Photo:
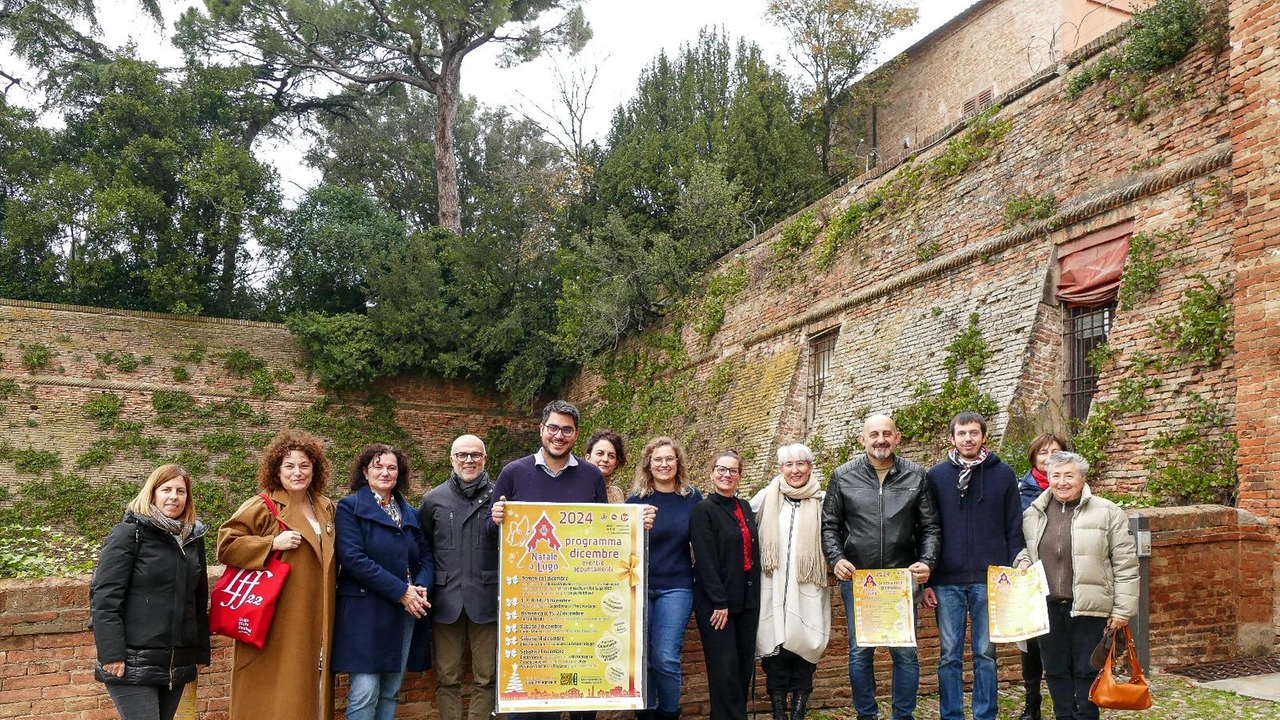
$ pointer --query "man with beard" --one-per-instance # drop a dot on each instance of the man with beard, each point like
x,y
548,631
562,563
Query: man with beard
x,y
879,513
981,512
464,598
552,474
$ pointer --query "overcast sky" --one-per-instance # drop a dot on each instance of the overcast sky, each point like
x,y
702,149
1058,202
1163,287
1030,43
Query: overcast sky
x,y
627,37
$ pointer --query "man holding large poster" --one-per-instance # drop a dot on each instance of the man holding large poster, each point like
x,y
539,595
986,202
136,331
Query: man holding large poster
x,y
551,475
879,514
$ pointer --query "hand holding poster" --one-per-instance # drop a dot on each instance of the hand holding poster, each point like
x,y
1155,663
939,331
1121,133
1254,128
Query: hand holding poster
x,y
571,603
1016,604
884,608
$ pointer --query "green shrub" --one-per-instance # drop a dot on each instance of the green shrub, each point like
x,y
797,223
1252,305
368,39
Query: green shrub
x,y
41,551
35,357
240,363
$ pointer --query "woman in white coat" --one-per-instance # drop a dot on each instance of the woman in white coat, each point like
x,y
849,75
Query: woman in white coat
x,y
795,603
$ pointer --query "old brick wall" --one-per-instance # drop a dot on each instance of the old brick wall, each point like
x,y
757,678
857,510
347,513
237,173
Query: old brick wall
x,y
1201,593
47,412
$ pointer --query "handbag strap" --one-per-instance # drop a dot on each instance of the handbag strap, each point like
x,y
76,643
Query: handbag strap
x,y
272,507
1134,666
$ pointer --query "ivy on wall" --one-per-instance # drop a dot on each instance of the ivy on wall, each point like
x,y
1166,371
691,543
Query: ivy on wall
x,y
927,418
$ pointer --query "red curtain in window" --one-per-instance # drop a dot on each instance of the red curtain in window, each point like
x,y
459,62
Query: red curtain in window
x,y
1091,266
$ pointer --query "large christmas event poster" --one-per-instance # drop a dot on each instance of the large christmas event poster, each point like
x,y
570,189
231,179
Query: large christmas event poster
x,y
571,607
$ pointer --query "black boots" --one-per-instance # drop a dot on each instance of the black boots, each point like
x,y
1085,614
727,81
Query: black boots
x,y
799,704
1031,711
779,702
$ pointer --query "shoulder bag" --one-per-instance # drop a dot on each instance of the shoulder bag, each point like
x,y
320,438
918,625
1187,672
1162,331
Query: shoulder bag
x,y
1132,695
243,602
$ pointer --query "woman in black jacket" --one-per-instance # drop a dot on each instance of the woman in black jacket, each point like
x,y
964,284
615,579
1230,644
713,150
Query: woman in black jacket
x,y
726,587
150,599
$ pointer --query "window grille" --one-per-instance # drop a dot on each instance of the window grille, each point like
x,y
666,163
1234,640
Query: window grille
x,y
822,350
1085,329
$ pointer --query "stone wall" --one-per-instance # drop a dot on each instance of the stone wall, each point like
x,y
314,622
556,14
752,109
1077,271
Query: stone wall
x,y
188,356
1208,603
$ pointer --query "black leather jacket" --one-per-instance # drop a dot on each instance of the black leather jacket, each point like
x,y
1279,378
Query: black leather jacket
x,y
875,526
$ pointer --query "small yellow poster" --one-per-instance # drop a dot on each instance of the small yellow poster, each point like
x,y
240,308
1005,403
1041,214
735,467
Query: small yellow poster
x,y
572,604
884,609
1016,606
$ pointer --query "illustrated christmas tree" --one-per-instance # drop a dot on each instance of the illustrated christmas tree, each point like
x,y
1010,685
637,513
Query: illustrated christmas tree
x,y
515,685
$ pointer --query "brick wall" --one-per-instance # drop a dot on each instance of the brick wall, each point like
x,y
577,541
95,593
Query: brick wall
x,y
1205,592
48,412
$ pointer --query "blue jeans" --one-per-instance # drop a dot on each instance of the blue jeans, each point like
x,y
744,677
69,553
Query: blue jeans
x,y
668,617
955,604
375,696
862,673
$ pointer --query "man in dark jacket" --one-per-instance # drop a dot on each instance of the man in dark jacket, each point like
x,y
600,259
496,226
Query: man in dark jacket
x,y
464,598
981,512
878,514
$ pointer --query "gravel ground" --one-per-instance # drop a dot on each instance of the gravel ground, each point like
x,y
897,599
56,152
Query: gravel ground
x,y
1175,699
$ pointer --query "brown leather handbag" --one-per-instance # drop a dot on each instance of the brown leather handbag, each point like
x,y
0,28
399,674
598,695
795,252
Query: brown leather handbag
x,y
1132,695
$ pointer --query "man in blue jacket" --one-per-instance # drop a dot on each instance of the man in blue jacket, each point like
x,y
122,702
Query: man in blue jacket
x,y
978,502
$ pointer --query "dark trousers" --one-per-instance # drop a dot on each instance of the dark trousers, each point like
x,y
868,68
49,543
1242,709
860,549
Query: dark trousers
x,y
1065,652
145,702
573,715
1032,672
787,672
731,658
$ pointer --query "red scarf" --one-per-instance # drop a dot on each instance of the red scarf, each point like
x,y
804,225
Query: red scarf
x,y
746,535
1041,479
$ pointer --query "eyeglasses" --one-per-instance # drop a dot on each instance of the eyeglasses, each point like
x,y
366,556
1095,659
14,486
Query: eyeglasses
x,y
670,460
465,456
567,430
722,470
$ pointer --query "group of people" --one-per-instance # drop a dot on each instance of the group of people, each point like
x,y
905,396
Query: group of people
x,y
378,587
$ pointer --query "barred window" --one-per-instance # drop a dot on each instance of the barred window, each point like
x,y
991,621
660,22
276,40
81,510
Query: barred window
x,y
1085,328
822,349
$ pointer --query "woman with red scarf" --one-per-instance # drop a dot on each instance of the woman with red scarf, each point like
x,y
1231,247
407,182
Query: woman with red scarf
x,y
1031,486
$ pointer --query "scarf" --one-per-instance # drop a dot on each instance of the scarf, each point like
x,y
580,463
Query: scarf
x,y
1041,479
469,490
966,467
811,566
173,526
391,507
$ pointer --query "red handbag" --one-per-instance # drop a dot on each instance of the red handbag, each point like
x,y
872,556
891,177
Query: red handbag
x,y
243,602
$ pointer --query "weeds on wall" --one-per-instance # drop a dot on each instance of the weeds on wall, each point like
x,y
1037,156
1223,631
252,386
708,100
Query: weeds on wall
x,y
1161,35
899,192
1029,207
1195,462
720,289
1201,329
35,357
925,420
1141,277
218,442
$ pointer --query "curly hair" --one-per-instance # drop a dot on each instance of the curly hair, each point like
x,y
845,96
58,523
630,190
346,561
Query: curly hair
x,y
366,457
643,484
614,439
141,504
282,444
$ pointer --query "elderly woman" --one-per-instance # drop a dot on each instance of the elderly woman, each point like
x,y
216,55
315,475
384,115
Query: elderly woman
x,y
726,587
605,451
1031,485
289,677
149,601
795,606
385,568
1091,564
662,480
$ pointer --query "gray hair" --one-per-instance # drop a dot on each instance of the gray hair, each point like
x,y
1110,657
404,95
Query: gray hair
x,y
795,451
1065,457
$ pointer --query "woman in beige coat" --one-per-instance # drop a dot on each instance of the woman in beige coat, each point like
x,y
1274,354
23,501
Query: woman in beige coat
x,y
289,678
1091,564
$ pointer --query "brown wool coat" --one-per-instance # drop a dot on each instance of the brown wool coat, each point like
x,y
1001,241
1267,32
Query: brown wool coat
x,y
287,679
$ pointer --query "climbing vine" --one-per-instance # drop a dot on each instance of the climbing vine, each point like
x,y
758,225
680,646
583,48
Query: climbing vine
x,y
926,418
1196,461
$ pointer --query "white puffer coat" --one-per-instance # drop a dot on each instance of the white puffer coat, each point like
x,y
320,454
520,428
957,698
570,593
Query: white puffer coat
x,y
1104,558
